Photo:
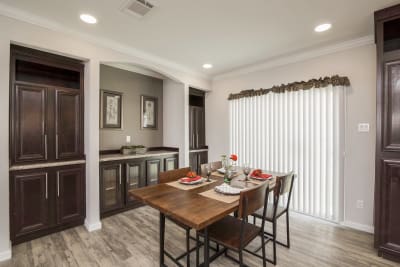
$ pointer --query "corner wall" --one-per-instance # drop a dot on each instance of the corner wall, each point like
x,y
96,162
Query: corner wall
x,y
359,64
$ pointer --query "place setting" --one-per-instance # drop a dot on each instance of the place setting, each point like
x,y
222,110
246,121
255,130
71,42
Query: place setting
x,y
192,180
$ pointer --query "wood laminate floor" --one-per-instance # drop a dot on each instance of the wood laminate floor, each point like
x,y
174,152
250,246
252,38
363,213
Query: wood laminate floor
x,y
131,239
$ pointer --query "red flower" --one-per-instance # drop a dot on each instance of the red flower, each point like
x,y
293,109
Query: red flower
x,y
234,157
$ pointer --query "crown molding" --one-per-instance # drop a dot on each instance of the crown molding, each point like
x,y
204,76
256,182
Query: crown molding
x,y
18,14
297,57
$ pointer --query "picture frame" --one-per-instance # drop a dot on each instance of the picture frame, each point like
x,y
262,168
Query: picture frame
x,y
148,112
111,109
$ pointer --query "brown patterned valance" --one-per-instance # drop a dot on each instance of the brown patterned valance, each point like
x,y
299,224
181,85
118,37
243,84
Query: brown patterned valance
x,y
317,83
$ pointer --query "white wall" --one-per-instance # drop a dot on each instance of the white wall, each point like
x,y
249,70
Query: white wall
x,y
359,64
15,31
175,114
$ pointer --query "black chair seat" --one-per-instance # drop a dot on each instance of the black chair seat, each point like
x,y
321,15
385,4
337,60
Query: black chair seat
x,y
227,232
270,212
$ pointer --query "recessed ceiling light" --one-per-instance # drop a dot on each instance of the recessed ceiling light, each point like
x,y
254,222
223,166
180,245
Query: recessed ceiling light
x,y
323,27
88,19
207,66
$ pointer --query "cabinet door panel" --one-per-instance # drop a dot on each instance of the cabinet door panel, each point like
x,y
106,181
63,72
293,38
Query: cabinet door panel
x,y
30,124
170,163
390,219
134,178
111,186
200,126
153,168
31,205
70,194
68,124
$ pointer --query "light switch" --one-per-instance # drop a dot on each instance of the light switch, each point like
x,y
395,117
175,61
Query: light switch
x,y
363,127
128,138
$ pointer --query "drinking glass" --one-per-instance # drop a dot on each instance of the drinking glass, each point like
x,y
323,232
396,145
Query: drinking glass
x,y
246,170
209,171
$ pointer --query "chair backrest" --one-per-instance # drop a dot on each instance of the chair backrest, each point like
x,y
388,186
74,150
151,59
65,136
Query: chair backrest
x,y
215,165
172,175
283,185
252,200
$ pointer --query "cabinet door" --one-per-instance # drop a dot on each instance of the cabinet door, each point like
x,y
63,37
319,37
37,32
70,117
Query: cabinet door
x,y
134,178
170,163
29,124
200,128
111,186
30,202
68,124
70,193
153,168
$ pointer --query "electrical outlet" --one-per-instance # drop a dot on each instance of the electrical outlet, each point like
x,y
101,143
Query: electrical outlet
x,y
363,127
360,204
128,139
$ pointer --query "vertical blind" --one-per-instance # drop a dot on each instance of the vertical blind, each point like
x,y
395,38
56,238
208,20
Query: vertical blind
x,y
300,131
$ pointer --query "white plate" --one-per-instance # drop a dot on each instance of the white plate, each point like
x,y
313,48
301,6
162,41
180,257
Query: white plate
x,y
193,182
222,170
227,189
260,179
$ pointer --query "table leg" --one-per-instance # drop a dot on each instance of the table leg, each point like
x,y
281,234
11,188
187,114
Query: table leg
x,y
206,248
162,230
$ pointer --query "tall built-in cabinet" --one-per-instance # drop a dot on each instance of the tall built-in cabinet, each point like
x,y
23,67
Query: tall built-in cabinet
x,y
387,178
198,153
47,167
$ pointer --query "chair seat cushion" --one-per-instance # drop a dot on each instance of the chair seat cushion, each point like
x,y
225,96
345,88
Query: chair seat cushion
x,y
270,212
227,232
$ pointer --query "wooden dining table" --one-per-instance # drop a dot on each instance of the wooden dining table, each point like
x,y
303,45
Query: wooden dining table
x,y
190,208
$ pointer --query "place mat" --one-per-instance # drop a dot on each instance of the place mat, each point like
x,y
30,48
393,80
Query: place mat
x,y
178,185
220,197
222,175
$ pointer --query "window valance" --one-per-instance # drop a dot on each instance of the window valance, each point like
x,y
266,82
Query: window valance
x,y
335,80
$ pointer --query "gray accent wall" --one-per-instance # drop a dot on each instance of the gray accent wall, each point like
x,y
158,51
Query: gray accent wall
x,y
132,86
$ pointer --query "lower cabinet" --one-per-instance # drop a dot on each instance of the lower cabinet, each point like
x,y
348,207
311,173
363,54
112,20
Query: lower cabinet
x,y
120,176
46,200
196,159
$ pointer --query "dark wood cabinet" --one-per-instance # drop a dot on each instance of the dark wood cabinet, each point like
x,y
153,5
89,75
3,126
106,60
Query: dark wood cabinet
x,y
29,124
31,198
153,168
46,126
46,118
46,200
68,124
387,175
111,186
119,176
70,184
197,127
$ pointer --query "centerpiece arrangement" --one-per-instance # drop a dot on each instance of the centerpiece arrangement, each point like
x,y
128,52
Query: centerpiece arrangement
x,y
229,164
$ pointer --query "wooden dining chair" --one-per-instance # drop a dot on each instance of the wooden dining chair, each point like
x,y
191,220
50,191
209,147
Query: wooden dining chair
x,y
215,165
235,233
167,177
283,186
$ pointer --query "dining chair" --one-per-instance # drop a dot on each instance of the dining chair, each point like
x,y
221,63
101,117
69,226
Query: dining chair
x,y
283,186
235,233
215,165
167,177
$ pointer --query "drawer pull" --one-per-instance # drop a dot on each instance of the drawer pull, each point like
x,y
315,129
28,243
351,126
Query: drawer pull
x,y
110,188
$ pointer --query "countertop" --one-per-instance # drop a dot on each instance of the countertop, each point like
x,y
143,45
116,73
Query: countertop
x,y
157,153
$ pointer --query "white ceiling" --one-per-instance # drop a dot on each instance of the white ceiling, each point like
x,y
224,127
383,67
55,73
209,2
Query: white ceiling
x,y
227,33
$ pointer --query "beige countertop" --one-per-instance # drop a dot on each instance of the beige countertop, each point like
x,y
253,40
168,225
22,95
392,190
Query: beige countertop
x,y
157,153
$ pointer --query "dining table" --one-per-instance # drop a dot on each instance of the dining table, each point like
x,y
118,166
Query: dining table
x,y
196,206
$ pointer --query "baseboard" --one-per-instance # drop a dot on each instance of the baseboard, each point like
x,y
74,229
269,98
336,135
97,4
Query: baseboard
x,y
358,226
92,226
5,255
